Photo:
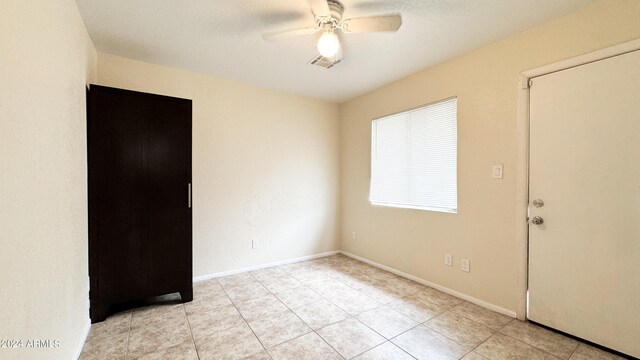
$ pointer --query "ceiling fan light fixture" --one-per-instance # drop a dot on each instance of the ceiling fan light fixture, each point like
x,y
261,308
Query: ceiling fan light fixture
x,y
328,44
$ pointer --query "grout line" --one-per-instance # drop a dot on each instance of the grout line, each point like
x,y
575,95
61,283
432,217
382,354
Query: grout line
x,y
242,316
191,330
574,351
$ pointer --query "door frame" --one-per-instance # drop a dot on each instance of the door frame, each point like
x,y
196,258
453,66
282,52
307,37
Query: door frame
x,y
522,160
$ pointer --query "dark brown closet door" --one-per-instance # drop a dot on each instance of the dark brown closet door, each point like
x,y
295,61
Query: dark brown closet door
x,y
139,178
117,201
168,138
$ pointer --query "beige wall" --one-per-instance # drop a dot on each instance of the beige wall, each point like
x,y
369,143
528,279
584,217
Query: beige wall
x,y
486,84
46,58
265,166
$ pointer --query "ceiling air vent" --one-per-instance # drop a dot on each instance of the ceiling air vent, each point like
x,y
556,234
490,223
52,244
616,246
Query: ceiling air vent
x,y
325,62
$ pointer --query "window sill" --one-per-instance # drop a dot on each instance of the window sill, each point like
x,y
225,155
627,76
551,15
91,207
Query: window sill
x,y
414,207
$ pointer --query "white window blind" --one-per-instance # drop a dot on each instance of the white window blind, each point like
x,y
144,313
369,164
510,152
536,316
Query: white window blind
x,y
413,158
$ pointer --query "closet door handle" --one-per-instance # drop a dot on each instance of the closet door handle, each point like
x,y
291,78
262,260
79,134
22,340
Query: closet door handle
x,y
189,195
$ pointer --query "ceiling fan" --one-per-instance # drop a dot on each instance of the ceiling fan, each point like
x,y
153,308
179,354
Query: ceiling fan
x,y
328,17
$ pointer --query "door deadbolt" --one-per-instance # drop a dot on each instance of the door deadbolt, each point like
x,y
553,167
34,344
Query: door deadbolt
x,y
538,203
537,220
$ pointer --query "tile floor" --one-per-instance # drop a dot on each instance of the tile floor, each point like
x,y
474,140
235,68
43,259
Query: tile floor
x,y
329,308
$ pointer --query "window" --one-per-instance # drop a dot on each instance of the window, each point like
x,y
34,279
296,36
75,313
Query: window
x,y
413,158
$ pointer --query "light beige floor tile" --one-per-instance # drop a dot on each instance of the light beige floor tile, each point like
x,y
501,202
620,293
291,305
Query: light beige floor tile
x,y
330,288
184,351
281,283
356,280
474,356
320,313
379,274
350,337
308,276
353,302
288,268
386,322
386,351
416,308
307,347
207,288
247,291
439,298
340,258
424,343
383,292
209,284
113,347
268,273
235,280
364,267
460,329
108,339
150,315
235,343
260,307
153,331
210,299
276,329
549,341
406,285
333,273
587,352
206,321
262,355
297,297
320,261
346,268
502,347
481,315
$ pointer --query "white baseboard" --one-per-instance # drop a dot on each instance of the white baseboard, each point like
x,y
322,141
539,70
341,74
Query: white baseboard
x,y
457,294
87,327
261,266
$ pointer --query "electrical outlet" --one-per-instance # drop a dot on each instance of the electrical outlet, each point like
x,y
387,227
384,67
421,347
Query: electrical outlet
x,y
354,236
496,171
464,265
255,243
448,259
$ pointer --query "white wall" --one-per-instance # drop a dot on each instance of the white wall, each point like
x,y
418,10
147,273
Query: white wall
x,y
265,165
46,58
486,84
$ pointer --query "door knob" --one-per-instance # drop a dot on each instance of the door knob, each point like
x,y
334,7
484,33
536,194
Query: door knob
x,y
537,220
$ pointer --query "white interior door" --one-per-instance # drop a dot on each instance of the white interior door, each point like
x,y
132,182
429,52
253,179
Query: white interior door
x,y
584,259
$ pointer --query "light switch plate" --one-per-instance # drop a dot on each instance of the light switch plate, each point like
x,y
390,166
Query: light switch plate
x,y
496,171
448,259
464,265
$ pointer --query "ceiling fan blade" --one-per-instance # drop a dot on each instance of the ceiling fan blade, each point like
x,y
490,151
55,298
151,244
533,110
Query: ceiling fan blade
x,y
285,34
319,8
372,24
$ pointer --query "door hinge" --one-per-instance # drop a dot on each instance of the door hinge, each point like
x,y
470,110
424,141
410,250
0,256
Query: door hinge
x,y
530,82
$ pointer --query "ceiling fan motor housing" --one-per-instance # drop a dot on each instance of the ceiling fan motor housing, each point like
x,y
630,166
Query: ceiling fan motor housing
x,y
336,9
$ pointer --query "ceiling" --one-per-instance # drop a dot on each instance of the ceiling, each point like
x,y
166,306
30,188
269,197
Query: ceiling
x,y
223,37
